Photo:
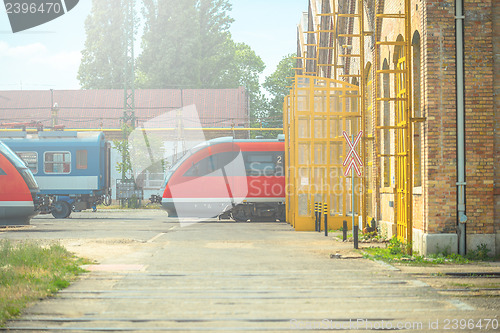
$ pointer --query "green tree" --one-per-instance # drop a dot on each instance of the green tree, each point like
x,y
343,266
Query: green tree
x,y
278,85
103,56
244,69
185,44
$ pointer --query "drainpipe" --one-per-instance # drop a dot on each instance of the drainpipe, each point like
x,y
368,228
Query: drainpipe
x,y
462,218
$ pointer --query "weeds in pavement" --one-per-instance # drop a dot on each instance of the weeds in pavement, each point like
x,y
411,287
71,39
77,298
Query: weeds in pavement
x,y
397,251
480,253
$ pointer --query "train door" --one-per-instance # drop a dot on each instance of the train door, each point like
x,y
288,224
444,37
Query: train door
x,y
228,162
107,167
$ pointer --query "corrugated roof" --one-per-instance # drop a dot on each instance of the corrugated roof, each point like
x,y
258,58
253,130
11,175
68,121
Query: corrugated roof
x,y
104,108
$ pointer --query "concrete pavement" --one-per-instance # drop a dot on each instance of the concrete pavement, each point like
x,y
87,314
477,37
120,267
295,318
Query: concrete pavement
x,y
155,275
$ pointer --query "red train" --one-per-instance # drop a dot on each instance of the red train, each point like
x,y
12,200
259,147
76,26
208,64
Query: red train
x,y
242,179
18,189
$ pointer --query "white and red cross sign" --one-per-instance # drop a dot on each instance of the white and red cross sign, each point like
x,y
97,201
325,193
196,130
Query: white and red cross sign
x,y
352,159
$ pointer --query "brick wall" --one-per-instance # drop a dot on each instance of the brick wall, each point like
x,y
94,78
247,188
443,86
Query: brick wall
x,y
496,81
438,105
479,116
435,208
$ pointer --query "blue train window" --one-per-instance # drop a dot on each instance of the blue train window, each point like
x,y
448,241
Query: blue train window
x,y
57,162
31,160
81,159
2,173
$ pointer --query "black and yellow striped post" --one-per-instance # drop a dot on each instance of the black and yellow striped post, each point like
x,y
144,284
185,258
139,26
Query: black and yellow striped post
x,y
325,212
319,215
315,216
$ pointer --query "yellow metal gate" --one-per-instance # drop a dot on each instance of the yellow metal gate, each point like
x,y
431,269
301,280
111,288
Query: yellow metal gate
x,y
403,155
403,119
316,113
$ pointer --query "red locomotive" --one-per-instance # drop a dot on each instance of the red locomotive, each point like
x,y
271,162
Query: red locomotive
x,y
18,189
242,179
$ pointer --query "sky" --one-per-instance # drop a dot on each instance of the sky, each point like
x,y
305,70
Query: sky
x,y
48,56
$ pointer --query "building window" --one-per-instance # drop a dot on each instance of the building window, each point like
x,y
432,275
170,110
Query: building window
x,y
31,160
400,111
57,162
386,122
81,159
369,134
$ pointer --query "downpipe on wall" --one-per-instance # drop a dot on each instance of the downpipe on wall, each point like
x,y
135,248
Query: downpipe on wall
x,y
459,42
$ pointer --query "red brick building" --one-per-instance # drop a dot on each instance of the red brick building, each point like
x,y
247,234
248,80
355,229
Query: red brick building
x,y
329,45
103,109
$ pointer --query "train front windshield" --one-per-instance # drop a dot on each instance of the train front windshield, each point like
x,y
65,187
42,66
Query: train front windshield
x,y
181,160
11,156
20,166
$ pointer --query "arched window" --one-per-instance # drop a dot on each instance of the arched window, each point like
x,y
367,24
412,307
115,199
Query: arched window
x,y
386,160
369,134
417,112
368,99
400,111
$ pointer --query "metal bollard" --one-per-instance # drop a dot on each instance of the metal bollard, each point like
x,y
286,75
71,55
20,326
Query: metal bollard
x,y
315,216
319,216
355,236
344,231
325,211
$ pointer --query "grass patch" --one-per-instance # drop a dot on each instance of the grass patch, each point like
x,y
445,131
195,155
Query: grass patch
x,y
29,272
399,252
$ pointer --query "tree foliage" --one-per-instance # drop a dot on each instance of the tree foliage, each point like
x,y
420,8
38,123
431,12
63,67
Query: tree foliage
x,y
277,84
103,58
244,69
185,43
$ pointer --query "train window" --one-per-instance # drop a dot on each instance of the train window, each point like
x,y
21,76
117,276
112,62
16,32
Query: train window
x,y
81,159
227,160
57,162
201,168
31,160
259,164
216,162
2,173
223,159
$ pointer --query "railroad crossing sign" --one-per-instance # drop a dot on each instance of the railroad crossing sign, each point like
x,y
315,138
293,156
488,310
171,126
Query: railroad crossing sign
x,y
352,159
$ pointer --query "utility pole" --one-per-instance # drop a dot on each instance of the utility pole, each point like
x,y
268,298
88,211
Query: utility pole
x,y
128,119
129,68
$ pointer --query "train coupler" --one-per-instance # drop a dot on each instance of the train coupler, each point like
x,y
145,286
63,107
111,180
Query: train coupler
x,y
155,199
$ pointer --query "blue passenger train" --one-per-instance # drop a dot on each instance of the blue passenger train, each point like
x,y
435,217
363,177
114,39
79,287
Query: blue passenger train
x,y
72,169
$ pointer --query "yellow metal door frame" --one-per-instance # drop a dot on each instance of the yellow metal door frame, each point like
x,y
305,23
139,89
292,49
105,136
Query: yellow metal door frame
x,y
319,111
